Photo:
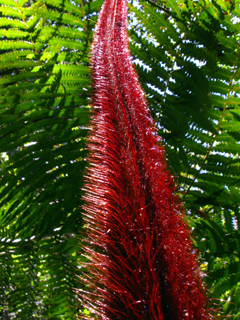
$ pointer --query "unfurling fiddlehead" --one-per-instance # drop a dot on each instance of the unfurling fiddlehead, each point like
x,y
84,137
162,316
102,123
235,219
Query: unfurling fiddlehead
x,y
142,263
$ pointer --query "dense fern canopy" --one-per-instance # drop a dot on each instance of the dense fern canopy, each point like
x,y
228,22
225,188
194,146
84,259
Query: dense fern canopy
x,y
187,56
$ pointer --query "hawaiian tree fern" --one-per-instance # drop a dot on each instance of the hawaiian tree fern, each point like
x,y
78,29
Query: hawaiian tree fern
x,y
189,51
142,263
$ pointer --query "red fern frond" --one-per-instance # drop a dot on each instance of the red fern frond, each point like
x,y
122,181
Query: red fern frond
x,y
142,263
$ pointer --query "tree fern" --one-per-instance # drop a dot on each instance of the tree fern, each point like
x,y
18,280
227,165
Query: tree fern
x,y
190,60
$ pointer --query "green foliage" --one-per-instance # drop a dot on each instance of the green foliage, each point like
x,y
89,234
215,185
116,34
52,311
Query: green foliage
x,y
37,278
44,114
187,58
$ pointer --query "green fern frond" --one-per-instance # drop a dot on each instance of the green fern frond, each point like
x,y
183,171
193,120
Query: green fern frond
x,y
5,22
44,87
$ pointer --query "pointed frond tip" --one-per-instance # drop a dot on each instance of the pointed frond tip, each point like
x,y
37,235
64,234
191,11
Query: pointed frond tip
x,y
141,261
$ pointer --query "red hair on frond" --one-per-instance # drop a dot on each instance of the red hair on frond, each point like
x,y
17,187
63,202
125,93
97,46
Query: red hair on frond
x,y
141,259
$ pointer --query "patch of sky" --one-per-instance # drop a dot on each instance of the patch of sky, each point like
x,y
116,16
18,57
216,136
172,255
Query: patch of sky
x,y
28,144
235,20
